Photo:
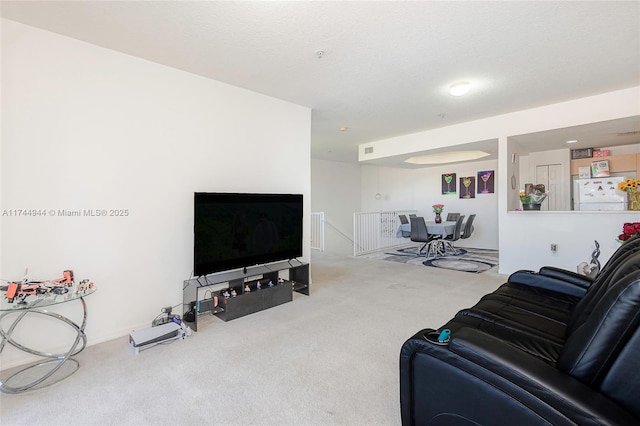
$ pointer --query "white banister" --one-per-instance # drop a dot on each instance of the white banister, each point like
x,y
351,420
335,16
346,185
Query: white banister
x,y
317,231
377,230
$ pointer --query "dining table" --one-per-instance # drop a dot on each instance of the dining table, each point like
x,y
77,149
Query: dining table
x,y
444,228
436,247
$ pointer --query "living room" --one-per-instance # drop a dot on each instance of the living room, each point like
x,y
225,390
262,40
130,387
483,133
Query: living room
x,y
86,127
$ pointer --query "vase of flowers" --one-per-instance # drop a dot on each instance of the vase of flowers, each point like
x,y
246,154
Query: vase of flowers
x,y
630,186
629,230
527,203
437,209
533,200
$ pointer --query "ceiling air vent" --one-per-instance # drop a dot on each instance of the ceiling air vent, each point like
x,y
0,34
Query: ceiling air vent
x,y
631,133
368,150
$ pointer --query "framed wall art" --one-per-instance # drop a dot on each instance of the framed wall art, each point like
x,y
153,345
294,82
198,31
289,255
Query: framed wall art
x,y
468,187
448,183
486,182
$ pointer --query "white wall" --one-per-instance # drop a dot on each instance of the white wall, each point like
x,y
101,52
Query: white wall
x,y
394,185
529,236
336,192
90,128
420,189
524,237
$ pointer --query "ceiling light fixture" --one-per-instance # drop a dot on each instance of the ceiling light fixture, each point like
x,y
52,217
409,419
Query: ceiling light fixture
x,y
573,141
447,157
459,88
343,129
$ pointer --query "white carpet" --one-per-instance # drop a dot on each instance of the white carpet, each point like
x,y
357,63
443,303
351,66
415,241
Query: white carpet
x,y
327,359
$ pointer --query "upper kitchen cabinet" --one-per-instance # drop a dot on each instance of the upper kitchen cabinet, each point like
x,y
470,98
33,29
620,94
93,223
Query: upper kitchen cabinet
x,y
625,163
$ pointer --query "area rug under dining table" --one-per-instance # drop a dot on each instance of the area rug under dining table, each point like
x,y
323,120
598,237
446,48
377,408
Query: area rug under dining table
x,y
468,260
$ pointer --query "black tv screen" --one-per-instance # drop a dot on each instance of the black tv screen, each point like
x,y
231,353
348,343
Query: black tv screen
x,y
234,230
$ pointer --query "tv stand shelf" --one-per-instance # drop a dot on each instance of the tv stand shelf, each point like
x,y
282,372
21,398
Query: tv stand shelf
x,y
205,295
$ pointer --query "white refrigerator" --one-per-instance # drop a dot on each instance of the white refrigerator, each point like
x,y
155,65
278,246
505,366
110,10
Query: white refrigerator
x,y
599,194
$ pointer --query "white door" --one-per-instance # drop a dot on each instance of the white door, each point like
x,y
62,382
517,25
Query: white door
x,y
552,176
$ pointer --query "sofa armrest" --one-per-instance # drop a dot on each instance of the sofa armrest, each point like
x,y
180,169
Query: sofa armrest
x,y
569,396
569,276
534,279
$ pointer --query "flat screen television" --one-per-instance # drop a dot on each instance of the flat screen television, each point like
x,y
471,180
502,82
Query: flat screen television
x,y
235,230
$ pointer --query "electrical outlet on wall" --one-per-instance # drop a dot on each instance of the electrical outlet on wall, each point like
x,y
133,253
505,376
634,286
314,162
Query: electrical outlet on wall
x,y
554,248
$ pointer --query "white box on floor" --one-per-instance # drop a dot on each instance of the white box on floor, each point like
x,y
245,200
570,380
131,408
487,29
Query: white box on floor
x,y
143,339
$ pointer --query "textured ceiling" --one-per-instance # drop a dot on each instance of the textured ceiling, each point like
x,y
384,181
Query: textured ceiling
x,y
386,66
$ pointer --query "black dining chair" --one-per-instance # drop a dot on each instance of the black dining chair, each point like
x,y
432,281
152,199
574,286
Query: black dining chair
x,y
449,239
412,215
403,219
419,233
468,227
452,217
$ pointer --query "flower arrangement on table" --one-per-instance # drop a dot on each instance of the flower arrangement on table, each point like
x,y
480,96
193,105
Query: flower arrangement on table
x,y
630,186
532,198
437,209
536,196
524,198
629,230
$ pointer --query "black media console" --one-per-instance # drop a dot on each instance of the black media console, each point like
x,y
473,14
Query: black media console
x,y
260,287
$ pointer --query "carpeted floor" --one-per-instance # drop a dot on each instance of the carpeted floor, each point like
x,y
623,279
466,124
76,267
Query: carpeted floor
x,y
330,358
469,260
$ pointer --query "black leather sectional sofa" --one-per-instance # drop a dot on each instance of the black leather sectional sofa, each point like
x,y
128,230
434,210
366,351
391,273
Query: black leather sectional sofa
x,y
546,348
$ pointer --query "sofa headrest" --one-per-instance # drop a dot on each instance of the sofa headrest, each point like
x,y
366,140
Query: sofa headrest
x,y
594,345
624,265
632,244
